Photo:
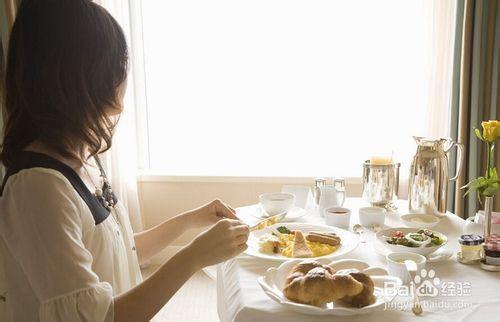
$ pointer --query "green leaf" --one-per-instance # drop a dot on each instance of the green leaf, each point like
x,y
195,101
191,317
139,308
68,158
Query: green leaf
x,y
490,191
472,184
483,186
478,134
468,191
493,173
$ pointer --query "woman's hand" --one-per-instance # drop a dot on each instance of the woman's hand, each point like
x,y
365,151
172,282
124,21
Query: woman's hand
x,y
209,214
221,242
225,240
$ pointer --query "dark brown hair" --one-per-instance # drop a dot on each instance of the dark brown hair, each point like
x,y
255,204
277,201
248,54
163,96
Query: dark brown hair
x,y
65,63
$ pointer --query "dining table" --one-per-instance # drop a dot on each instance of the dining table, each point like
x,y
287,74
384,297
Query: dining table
x,y
466,292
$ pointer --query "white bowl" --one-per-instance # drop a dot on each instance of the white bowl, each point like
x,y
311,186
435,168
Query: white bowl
x,y
277,202
337,217
397,267
400,248
420,220
273,281
372,216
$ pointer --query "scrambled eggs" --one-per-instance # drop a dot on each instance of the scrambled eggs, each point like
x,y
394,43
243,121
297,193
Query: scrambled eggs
x,y
318,249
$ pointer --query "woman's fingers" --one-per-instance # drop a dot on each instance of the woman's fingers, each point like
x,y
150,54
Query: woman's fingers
x,y
241,230
239,240
241,248
224,210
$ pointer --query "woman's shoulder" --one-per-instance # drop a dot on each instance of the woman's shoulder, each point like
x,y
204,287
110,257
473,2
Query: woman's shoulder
x,y
37,185
36,178
41,197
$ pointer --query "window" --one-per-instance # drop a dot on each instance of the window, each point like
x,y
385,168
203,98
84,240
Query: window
x,y
292,88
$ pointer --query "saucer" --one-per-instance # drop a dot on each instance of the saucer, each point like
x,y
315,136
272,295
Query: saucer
x,y
294,213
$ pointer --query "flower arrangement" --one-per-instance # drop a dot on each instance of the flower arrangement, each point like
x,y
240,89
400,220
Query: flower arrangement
x,y
488,185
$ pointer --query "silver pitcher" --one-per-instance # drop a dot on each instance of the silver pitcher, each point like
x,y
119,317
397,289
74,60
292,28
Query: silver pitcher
x,y
429,176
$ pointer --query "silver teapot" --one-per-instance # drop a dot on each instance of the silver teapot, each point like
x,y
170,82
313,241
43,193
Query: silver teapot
x,y
429,176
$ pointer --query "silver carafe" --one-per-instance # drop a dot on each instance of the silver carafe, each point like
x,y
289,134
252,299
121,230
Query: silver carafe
x,y
429,176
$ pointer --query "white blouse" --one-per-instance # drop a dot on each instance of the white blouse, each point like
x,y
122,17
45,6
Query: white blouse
x,y
60,264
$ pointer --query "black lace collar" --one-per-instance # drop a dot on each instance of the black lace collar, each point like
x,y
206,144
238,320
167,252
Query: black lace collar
x,y
28,160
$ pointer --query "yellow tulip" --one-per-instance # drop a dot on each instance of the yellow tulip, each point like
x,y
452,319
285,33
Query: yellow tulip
x,y
491,130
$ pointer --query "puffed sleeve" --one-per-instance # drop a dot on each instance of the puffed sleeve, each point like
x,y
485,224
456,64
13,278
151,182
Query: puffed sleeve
x,y
42,227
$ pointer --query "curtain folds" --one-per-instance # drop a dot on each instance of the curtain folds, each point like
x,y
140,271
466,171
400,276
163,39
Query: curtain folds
x,y
476,90
7,15
121,159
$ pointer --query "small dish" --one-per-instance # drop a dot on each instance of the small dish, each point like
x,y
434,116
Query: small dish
x,y
372,216
292,214
337,217
277,202
487,267
420,220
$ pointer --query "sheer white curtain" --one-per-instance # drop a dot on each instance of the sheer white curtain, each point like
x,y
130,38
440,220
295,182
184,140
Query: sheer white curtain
x,y
441,33
121,160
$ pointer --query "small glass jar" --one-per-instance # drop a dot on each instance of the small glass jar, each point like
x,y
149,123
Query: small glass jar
x,y
492,250
318,183
471,248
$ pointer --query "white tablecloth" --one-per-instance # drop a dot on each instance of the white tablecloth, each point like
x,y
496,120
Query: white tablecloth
x,y
241,299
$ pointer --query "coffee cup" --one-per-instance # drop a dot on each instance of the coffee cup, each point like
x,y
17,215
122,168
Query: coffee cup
x,y
337,217
277,202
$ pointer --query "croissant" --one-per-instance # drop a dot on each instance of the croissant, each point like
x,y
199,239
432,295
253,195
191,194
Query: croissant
x,y
312,283
366,296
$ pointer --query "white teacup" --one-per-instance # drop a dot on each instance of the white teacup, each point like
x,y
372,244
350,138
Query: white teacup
x,y
372,216
396,264
337,217
277,202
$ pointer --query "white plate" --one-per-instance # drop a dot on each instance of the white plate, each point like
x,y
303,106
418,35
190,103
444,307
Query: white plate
x,y
293,214
348,241
420,220
273,281
400,248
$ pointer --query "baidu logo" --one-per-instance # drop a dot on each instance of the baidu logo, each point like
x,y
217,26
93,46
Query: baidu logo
x,y
426,283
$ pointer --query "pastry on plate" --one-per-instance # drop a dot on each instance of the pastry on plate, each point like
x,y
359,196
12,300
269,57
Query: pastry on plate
x,y
312,283
366,296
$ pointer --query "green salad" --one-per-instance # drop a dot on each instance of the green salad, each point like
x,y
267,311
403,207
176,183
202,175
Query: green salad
x,y
422,238
284,230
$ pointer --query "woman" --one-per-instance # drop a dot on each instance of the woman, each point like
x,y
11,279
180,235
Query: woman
x,y
65,239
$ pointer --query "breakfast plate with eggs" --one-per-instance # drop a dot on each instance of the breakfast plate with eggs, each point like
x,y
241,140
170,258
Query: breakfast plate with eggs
x,y
285,241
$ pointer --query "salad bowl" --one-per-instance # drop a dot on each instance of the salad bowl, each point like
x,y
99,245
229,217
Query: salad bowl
x,y
409,241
